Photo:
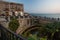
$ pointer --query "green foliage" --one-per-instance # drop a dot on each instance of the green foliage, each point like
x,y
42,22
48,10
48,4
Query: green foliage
x,y
47,30
33,37
30,38
43,38
52,27
13,24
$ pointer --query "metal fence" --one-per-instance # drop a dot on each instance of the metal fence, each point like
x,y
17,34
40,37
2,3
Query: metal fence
x,y
6,34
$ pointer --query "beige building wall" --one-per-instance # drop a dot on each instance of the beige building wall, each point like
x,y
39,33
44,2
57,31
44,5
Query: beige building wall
x,y
7,7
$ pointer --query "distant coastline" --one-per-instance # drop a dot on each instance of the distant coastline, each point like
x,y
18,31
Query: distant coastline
x,y
46,15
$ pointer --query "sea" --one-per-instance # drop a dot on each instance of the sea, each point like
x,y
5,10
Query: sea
x,y
46,15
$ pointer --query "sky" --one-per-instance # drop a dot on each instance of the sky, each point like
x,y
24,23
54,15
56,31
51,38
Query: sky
x,y
40,6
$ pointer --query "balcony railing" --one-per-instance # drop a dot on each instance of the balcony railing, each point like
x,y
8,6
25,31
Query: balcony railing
x,y
6,34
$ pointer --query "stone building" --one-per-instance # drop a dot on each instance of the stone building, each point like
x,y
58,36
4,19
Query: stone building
x,y
25,21
9,8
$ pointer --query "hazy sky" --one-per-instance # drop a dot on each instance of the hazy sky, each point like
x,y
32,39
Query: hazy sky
x,y
40,6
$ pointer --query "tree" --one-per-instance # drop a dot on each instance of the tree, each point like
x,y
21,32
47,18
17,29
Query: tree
x,y
13,24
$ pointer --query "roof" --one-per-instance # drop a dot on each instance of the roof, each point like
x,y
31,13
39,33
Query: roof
x,y
12,2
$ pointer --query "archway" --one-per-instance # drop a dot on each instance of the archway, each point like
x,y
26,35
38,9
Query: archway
x,y
32,30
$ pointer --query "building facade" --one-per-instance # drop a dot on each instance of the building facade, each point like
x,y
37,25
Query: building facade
x,y
9,8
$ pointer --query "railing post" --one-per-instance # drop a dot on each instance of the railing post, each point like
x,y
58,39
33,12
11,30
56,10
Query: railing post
x,y
6,34
0,33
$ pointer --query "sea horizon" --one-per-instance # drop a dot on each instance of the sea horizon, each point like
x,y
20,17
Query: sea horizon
x,y
50,15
